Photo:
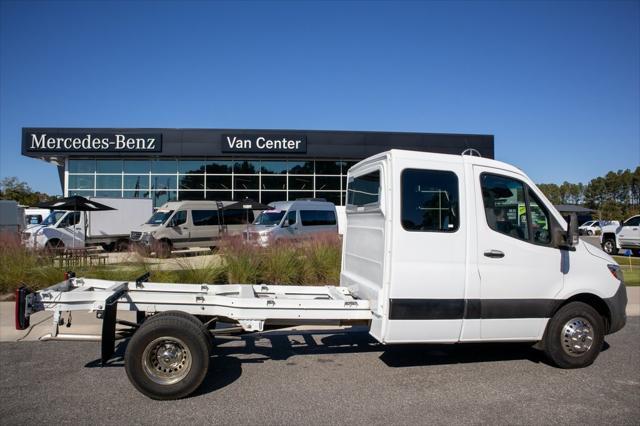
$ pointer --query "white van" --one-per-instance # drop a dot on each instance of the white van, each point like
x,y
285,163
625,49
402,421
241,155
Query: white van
x,y
35,216
184,224
289,219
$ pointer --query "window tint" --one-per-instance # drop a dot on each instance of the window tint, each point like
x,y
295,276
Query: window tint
x,y
634,221
70,220
237,216
504,205
430,200
291,217
364,190
539,220
180,218
204,217
317,217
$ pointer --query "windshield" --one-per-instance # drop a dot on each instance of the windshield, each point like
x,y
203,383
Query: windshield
x,y
269,218
53,218
159,217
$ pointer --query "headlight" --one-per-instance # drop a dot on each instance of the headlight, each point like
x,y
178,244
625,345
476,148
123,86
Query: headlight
x,y
616,271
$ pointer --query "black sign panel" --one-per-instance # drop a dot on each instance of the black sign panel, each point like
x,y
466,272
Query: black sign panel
x,y
264,144
91,142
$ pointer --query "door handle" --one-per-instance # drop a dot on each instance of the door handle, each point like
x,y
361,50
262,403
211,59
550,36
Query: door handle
x,y
497,254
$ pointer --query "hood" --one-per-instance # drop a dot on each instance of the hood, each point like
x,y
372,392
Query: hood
x,y
597,252
262,229
610,228
145,227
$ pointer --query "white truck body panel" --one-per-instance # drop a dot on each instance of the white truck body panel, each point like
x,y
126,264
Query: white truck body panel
x,y
129,214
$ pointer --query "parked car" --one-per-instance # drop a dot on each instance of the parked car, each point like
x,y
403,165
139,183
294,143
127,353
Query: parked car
x,y
108,229
35,216
289,219
184,224
626,235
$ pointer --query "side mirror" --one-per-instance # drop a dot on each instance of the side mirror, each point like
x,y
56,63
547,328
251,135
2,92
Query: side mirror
x,y
572,231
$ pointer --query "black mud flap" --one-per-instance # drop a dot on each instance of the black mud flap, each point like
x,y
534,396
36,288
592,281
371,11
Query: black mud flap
x,y
109,324
21,317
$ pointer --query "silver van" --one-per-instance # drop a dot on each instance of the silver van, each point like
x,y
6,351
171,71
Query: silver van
x,y
290,219
184,224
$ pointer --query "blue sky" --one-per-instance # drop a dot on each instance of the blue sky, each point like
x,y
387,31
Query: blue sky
x,y
557,83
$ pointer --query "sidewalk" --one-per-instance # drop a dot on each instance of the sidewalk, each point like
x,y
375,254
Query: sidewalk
x,y
87,323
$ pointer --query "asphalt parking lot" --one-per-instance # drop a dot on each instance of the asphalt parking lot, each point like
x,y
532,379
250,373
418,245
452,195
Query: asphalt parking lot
x,y
321,378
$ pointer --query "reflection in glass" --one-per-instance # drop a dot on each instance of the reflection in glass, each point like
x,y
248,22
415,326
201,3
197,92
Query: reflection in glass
x,y
191,166
273,167
161,197
246,166
81,181
245,182
191,181
327,183
82,166
300,195
137,166
301,182
219,166
191,195
109,194
137,194
333,196
109,166
274,182
328,167
80,193
164,166
218,195
241,195
271,196
218,182
163,182
109,181
301,167
136,182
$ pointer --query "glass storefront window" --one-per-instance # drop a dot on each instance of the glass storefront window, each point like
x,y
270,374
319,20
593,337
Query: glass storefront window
x,y
273,167
296,195
136,182
245,182
271,196
333,196
246,166
191,166
274,182
137,194
82,166
218,195
241,195
164,166
81,182
161,197
219,167
218,182
137,166
191,181
328,167
191,195
109,166
163,182
327,183
108,181
346,165
80,193
109,194
301,182
300,167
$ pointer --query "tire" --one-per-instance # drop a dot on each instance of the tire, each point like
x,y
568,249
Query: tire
x,y
589,232
182,368
108,247
122,245
54,245
163,249
609,246
188,317
574,336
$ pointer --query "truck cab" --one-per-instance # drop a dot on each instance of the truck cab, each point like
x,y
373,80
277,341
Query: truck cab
x,y
461,249
623,236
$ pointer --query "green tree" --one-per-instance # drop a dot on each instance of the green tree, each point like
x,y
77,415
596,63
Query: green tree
x,y
11,188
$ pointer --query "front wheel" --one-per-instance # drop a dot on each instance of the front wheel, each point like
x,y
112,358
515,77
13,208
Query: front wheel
x,y
589,232
167,358
609,246
574,336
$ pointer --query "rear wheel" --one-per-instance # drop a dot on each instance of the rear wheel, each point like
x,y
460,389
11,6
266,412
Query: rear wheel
x,y
609,246
167,358
188,317
589,232
122,245
574,336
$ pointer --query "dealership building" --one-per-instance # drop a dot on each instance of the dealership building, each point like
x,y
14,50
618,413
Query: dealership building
x,y
222,164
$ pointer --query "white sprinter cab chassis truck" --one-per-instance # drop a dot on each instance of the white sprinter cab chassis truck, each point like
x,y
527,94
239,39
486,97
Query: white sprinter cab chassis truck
x,y
438,248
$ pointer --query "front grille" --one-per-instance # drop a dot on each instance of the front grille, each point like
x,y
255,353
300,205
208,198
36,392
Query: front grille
x,y
135,236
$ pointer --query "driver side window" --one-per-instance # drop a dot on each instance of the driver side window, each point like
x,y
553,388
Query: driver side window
x,y
180,218
539,220
291,217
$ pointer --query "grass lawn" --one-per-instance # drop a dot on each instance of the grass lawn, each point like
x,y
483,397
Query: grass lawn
x,y
631,273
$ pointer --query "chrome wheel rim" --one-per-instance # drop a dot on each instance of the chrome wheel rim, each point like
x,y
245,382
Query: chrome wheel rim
x,y
166,360
608,247
577,336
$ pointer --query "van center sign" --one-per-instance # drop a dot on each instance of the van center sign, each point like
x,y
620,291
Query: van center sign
x,y
91,142
264,144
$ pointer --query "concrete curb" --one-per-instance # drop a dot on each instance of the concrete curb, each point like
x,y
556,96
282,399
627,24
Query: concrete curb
x,y
87,323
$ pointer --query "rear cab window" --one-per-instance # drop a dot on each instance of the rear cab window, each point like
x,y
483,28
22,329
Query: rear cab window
x,y
363,192
429,200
